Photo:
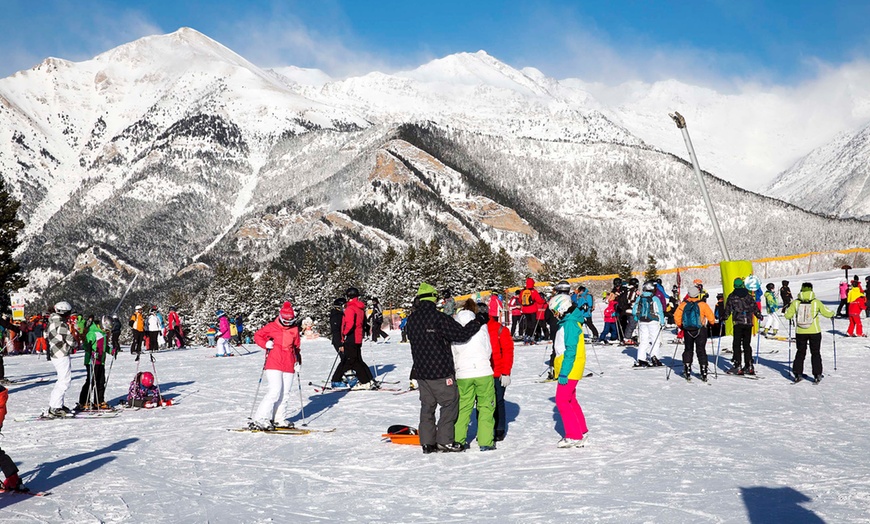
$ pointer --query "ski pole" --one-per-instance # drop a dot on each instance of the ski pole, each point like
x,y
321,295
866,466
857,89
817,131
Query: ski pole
x,y
156,382
789,343
259,382
129,286
595,352
546,347
673,358
331,370
757,343
718,351
834,340
301,403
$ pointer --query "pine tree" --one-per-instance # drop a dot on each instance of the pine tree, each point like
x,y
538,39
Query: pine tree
x,y
503,269
306,290
10,227
651,273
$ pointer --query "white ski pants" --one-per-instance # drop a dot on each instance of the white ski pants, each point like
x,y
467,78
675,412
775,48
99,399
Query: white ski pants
x,y
279,388
62,366
223,346
648,340
771,322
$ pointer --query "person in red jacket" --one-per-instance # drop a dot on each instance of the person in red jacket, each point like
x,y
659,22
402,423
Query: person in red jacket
x,y
502,361
173,329
351,343
530,304
280,339
10,470
516,312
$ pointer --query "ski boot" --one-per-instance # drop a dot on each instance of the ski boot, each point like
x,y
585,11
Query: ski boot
x,y
655,362
687,371
704,373
641,364
735,370
453,447
797,378
749,370
14,483
817,379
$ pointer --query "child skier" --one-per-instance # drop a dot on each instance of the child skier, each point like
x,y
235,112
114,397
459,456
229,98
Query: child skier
x,y
570,364
280,339
771,305
10,470
609,323
475,382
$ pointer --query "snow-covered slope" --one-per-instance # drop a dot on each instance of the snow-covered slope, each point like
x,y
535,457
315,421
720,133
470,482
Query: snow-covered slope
x,y
660,450
833,179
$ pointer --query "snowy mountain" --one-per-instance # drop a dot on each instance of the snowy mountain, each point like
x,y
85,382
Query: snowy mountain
x,y
833,179
172,154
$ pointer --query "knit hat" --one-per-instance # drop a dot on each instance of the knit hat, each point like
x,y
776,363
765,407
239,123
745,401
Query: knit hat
x,y
286,315
694,291
738,283
427,292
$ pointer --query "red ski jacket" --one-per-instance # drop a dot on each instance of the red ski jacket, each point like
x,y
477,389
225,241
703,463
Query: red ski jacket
x,y
502,348
354,313
286,345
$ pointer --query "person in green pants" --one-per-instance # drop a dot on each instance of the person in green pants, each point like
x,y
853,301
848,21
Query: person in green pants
x,y
475,381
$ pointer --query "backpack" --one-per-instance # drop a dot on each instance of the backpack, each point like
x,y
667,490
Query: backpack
x,y
526,297
645,309
804,317
691,316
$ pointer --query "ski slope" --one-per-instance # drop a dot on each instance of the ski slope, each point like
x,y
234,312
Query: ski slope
x,y
735,450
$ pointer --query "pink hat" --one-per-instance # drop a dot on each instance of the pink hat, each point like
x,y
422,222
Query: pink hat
x,y
286,315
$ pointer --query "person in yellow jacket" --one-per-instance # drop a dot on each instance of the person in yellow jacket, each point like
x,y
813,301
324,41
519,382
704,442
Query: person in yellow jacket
x,y
806,310
569,365
137,323
694,317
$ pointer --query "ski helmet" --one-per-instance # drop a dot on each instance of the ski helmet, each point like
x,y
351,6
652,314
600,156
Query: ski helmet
x,y
219,313
562,287
698,282
340,301
633,282
351,292
770,286
62,307
649,286
147,379
617,282
560,304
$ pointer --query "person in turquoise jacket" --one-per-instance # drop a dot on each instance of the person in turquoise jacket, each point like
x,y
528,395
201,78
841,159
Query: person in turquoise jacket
x,y
569,364
806,310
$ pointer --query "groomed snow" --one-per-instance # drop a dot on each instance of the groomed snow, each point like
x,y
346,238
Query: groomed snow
x,y
661,451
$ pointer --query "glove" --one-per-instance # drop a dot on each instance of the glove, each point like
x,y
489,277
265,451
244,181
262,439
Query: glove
x,y
270,344
505,380
563,379
298,358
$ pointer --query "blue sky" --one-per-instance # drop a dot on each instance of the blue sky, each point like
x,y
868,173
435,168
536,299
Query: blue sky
x,y
706,41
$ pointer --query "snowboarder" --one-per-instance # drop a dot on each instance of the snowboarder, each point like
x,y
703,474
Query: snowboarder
x,y
694,316
570,365
137,324
431,333
60,344
351,343
223,334
650,318
280,339
12,482
806,310
474,379
743,310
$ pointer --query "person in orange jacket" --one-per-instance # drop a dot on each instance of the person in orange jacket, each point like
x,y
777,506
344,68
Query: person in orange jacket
x,y
10,470
137,324
694,317
502,361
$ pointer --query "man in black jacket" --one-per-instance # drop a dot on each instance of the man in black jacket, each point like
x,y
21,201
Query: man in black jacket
x,y
431,333
743,309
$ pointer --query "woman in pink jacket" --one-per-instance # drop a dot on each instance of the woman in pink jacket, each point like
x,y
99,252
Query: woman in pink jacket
x,y
280,339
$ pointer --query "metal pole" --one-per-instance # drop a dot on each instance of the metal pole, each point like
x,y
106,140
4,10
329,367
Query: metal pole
x,y
681,125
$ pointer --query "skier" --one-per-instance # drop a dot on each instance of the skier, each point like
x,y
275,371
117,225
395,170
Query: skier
x,y
857,304
60,344
137,323
116,334
5,323
351,343
223,334
530,302
625,305
174,334
771,320
610,321
431,333
786,295
502,362
516,313
96,352
587,304
650,318
474,379
806,310
718,329
690,316
743,309
240,328
280,339
153,328
570,365
335,317
377,320
844,292
12,482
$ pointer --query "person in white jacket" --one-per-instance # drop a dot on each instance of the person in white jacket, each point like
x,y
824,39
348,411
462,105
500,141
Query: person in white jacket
x,y
475,382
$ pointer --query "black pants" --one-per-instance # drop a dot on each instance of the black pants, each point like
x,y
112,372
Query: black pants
x,y
531,321
9,468
377,331
815,343
434,393
116,344
152,340
98,380
500,418
695,340
136,347
591,327
2,367
515,321
353,361
843,304
742,339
